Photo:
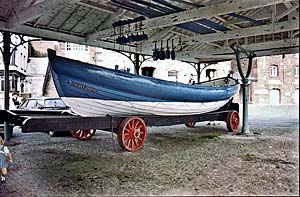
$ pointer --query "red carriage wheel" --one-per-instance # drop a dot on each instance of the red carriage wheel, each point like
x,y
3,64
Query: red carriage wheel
x,y
190,124
83,134
233,121
132,133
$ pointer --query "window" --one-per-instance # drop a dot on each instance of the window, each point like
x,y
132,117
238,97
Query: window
x,y
31,104
2,85
172,73
148,71
24,66
54,103
296,71
273,71
68,46
76,47
13,57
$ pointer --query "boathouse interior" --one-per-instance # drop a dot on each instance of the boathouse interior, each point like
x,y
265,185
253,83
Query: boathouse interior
x,y
195,31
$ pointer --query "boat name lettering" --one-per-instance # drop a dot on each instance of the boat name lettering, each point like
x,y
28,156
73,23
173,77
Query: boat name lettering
x,y
81,86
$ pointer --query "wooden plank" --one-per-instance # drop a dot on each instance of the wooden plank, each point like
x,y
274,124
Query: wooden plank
x,y
29,14
261,49
226,50
240,33
194,14
288,11
245,32
64,37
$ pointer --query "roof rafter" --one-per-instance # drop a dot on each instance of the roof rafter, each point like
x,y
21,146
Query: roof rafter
x,y
98,6
291,43
195,14
288,11
21,5
240,33
250,31
63,37
28,14
221,58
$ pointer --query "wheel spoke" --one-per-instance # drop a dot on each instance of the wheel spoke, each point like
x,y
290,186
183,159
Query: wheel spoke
x,y
132,144
129,143
128,126
136,124
132,124
85,134
126,138
139,127
127,131
92,131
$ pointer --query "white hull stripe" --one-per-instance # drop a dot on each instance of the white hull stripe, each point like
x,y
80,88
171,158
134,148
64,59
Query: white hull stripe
x,y
97,107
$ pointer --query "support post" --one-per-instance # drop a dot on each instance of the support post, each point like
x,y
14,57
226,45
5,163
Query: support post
x,y
198,72
137,63
245,89
6,60
245,82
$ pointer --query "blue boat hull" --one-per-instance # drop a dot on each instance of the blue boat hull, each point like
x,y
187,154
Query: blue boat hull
x,y
97,91
81,80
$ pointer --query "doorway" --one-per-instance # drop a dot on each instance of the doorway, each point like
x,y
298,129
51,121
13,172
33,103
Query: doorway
x,y
275,97
296,96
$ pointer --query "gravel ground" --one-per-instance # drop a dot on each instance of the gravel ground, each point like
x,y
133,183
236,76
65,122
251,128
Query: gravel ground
x,y
175,160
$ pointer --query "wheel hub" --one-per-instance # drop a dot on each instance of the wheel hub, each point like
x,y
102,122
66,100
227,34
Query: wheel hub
x,y
136,133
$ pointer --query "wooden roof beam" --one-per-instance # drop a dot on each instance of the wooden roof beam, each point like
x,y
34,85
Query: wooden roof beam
x,y
31,13
290,43
222,58
240,33
98,6
111,19
245,32
20,5
194,14
288,11
259,15
63,37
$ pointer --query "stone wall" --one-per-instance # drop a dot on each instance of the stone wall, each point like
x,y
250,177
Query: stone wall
x,y
263,85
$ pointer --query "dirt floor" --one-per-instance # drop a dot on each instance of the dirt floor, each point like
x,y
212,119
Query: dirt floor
x,y
175,160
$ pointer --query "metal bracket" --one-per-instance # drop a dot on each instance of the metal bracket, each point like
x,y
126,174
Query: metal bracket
x,y
135,59
238,50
